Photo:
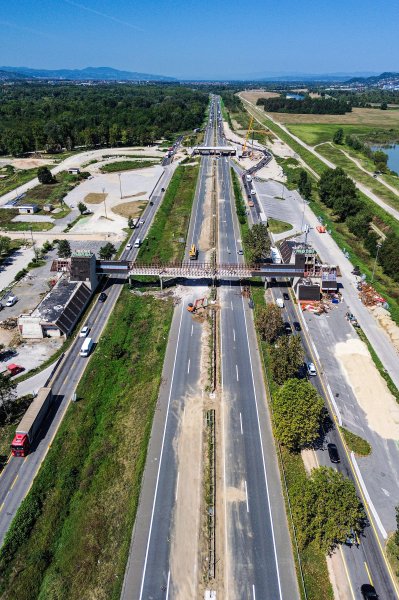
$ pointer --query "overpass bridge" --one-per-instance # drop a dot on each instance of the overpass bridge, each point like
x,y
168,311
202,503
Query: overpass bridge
x,y
215,150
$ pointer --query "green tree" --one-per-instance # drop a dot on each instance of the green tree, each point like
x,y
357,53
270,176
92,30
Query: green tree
x,y
328,508
107,251
304,185
5,243
44,175
82,207
64,249
359,224
384,106
130,222
269,322
338,137
287,357
7,396
298,411
258,242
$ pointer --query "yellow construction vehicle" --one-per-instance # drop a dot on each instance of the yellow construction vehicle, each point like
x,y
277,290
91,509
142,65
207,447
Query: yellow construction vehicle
x,y
265,131
200,303
193,253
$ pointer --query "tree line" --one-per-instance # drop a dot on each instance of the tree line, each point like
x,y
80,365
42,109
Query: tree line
x,y
316,106
51,118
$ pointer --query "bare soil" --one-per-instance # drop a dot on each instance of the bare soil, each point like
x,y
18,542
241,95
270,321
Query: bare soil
x,y
254,95
95,198
129,209
370,389
388,325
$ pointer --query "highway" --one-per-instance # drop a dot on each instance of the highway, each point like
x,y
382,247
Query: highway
x,y
153,571
18,474
365,563
258,556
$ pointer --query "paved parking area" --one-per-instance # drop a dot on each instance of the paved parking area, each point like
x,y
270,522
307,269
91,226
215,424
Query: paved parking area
x,y
278,202
13,264
380,470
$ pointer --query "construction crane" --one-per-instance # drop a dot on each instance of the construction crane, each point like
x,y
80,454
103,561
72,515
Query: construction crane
x,y
252,130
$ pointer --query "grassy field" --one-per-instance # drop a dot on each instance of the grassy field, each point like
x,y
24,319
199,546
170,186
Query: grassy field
x,y
15,178
291,169
172,219
335,155
277,226
127,165
317,133
71,536
355,443
365,117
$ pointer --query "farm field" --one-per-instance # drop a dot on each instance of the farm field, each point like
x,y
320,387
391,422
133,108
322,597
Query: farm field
x,y
366,117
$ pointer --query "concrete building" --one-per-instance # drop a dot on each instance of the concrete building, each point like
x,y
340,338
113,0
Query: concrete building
x,y
74,170
27,209
57,314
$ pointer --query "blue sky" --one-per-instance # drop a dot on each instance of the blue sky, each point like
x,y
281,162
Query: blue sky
x,y
204,39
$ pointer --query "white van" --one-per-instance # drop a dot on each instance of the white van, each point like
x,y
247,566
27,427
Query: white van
x,y
137,243
280,302
11,300
86,347
249,178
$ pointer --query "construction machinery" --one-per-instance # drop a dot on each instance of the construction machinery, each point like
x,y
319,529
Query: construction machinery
x,y
193,252
200,303
252,130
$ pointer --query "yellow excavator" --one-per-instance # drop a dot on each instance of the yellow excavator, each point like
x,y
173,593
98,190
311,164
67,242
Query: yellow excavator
x,y
265,131
193,252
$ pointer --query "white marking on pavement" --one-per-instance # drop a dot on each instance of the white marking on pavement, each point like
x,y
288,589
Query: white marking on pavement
x,y
246,495
177,485
231,304
253,592
192,329
160,462
234,334
188,366
237,373
241,425
167,586
369,503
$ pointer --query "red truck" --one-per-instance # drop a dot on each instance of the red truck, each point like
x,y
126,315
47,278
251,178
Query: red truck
x,y
31,422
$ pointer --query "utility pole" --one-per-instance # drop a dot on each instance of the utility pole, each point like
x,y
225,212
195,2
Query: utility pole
x,y
379,244
105,206
120,184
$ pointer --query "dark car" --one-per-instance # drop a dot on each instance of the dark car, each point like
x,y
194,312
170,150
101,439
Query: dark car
x,y
286,296
333,453
368,592
151,203
287,328
102,297
297,326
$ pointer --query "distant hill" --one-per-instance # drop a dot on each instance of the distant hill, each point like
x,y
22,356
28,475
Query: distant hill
x,y
374,79
10,75
87,74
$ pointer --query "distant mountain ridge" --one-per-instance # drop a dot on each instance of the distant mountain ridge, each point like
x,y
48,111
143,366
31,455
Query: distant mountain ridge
x,y
87,74
374,78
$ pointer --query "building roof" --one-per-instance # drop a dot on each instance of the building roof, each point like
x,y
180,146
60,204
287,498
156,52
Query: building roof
x,y
27,206
53,305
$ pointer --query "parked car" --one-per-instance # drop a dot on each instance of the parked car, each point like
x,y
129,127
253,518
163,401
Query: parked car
x,y
141,221
286,296
253,192
240,252
368,592
11,300
351,538
102,297
297,326
287,328
311,369
84,331
333,453
128,246
162,189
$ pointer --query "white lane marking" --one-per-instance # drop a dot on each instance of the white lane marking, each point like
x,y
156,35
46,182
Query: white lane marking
x,y
234,334
369,502
246,495
160,462
242,433
192,329
237,373
167,586
231,304
227,564
188,366
177,485
253,592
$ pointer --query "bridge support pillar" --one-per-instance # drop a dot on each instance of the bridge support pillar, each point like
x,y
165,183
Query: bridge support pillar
x,y
161,282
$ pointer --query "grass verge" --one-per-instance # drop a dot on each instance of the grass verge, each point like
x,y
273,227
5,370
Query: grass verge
x,y
167,235
277,226
15,178
127,165
356,443
71,536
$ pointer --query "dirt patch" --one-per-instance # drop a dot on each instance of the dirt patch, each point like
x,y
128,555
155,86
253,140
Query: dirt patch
x,y
385,321
309,460
129,209
370,389
30,163
185,540
254,95
95,198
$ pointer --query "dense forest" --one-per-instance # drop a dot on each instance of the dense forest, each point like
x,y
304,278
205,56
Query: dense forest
x,y
53,117
316,106
367,97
